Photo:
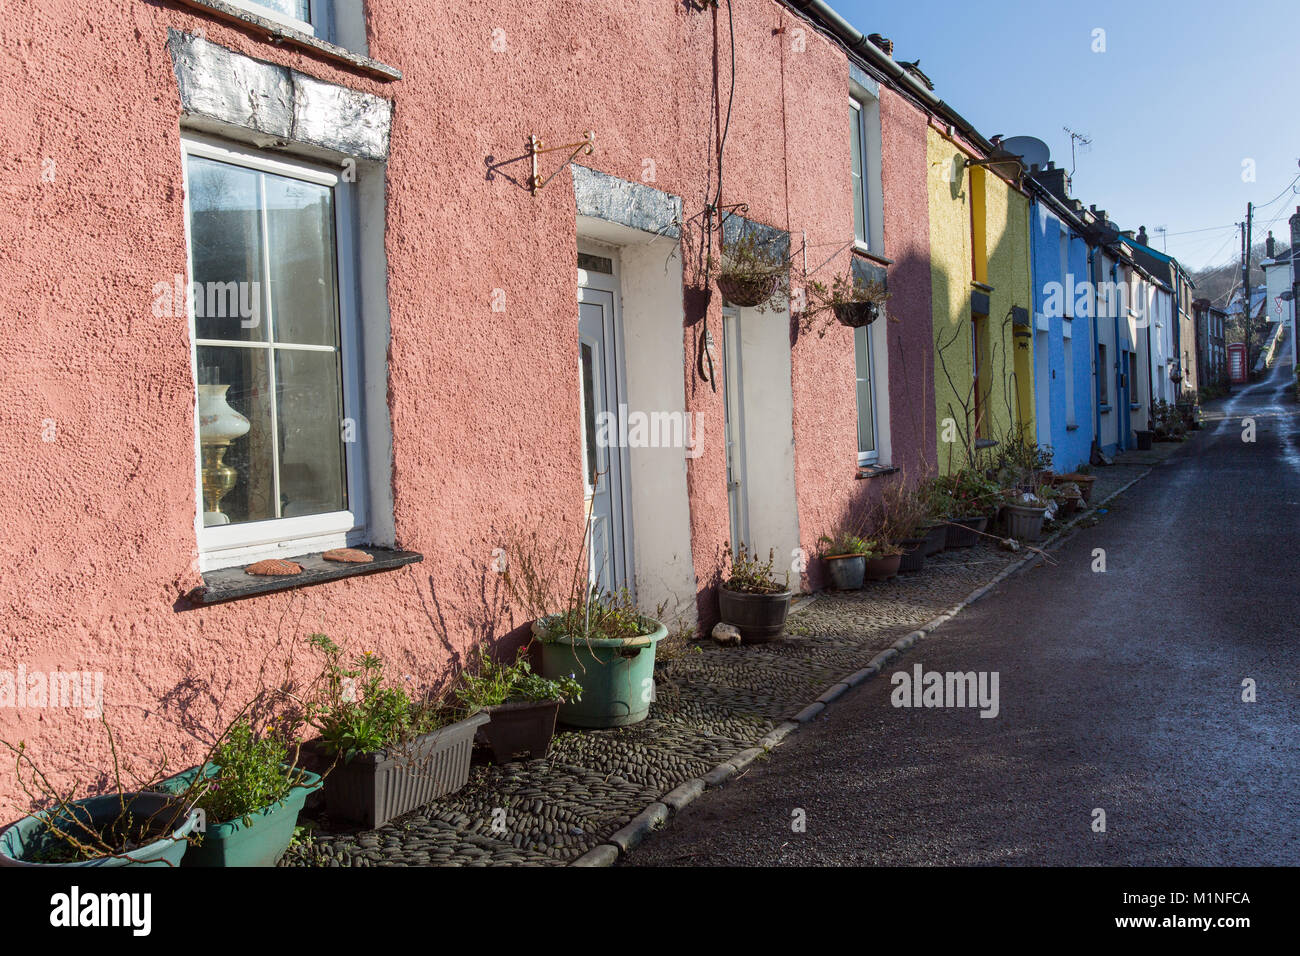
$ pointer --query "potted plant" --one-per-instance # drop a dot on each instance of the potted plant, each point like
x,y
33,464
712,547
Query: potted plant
x,y
522,705
845,554
751,599
388,753
250,793
853,301
883,560
750,272
129,826
970,495
901,517
1024,515
607,645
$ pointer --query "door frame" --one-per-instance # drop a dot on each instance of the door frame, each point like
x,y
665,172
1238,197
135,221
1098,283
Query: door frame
x,y
621,516
733,390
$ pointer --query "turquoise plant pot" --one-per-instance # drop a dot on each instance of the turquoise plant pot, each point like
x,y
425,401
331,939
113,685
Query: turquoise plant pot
x,y
617,676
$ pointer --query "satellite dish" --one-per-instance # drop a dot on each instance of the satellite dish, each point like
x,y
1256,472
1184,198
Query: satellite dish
x,y
1032,150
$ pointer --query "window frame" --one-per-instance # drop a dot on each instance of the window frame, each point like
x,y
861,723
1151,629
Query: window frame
x,y
858,111
319,12
868,348
228,545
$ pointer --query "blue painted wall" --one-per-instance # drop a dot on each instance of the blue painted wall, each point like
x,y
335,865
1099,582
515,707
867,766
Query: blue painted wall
x,y
1068,426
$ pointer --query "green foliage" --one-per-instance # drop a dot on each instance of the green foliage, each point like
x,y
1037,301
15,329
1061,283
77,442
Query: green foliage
x,y
491,683
357,711
962,494
842,542
751,575
251,774
596,615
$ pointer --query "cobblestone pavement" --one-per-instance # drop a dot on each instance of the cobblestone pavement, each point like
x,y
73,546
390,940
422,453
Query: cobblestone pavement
x,y
712,703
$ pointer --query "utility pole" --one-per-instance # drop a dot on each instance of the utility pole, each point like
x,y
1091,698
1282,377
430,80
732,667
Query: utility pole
x,y
1245,286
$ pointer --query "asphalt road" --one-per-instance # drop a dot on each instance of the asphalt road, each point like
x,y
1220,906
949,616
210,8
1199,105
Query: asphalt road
x,y
1118,691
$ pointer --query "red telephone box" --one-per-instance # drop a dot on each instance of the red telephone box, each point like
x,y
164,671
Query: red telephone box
x,y
1237,363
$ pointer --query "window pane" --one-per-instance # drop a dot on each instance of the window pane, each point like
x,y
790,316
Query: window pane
x,y
591,454
235,432
226,251
855,150
302,285
866,413
298,9
310,431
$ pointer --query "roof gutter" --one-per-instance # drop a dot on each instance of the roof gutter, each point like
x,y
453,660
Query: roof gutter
x,y
857,44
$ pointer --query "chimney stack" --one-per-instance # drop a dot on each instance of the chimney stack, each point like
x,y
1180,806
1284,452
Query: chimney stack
x,y
883,43
1142,236
1270,245
1055,181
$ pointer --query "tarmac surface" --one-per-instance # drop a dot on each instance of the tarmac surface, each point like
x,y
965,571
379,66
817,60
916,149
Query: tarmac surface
x,y
1119,691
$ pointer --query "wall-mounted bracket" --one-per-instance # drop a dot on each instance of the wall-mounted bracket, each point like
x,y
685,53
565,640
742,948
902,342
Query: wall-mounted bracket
x,y
536,148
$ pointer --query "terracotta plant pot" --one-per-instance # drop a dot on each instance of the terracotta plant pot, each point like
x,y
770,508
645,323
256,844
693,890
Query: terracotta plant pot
x,y
1075,478
913,557
519,727
847,571
746,290
965,532
882,569
759,617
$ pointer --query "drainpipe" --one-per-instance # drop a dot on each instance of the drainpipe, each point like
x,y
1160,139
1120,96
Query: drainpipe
x,y
1096,405
1121,437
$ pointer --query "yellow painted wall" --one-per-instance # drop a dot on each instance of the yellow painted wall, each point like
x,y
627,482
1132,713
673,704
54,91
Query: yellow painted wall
x,y
994,248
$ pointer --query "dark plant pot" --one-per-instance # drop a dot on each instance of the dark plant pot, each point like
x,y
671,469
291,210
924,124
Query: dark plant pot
x,y
259,839
913,557
1144,439
1025,522
855,315
964,532
847,571
936,537
372,788
746,290
759,617
29,838
521,726
882,569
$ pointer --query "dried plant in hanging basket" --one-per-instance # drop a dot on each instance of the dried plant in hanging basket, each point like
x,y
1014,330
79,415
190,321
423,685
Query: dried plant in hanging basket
x,y
746,291
854,303
750,273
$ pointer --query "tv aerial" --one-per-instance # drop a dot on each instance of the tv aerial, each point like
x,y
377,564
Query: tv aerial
x,y
1079,140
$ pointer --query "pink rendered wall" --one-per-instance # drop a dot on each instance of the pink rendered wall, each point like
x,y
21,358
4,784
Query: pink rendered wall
x,y
98,542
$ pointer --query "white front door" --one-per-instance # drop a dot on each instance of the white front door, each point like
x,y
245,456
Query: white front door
x,y
604,455
733,392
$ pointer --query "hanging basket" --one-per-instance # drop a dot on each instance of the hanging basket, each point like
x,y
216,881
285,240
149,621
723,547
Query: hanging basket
x,y
856,315
747,290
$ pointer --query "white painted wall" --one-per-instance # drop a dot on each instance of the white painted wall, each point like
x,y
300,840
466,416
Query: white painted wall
x,y
655,361
1109,427
769,434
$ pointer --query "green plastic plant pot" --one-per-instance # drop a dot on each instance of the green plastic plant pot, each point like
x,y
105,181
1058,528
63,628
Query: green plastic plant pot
x,y
259,839
617,676
28,837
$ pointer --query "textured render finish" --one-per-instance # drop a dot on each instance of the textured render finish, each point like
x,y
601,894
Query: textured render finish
x,y
1071,447
483,404
1006,223
824,373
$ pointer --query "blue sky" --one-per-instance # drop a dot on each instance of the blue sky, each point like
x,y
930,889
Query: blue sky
x,y
1183,93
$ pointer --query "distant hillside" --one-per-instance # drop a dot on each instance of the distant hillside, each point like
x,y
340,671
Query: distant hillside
x,y
1217,283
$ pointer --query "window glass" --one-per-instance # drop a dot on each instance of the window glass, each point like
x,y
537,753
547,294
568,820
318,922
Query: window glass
x,y
269,366
859,189
866,404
